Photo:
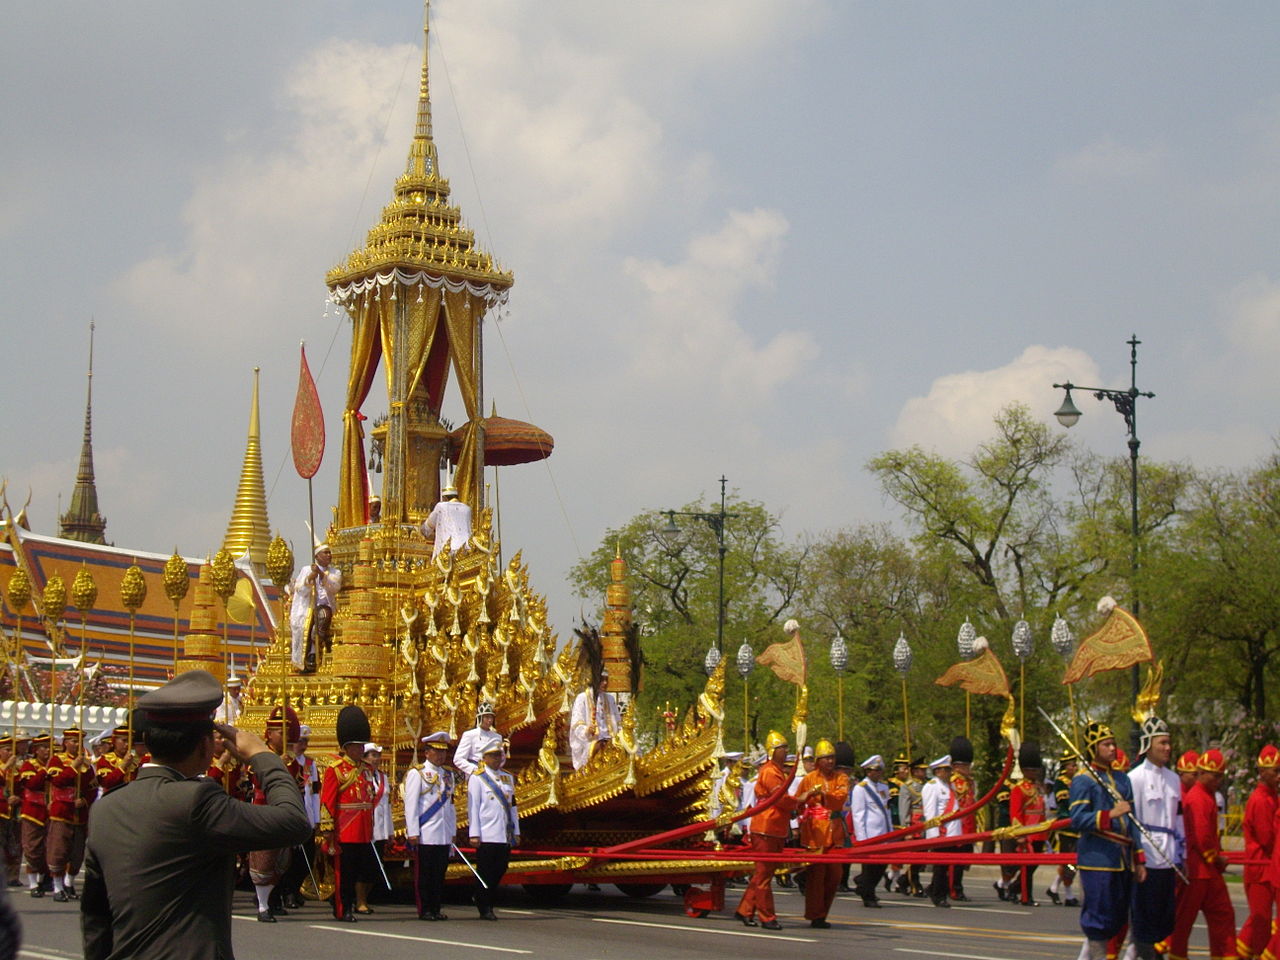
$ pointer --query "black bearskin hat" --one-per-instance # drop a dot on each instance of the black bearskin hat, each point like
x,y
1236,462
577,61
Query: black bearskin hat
x,y
1029,756
353,726
845,756
961,750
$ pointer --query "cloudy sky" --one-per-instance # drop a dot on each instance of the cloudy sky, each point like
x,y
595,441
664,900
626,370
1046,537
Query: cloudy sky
x,y
761,238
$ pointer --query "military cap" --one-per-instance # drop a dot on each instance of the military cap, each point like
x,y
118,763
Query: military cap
x,y
845,757
807,752
1029,756
875,761
120,731
961,750
439,740
73,732
188,698
353,726
40,739
293,727
494,747
943,761
6,741
902,760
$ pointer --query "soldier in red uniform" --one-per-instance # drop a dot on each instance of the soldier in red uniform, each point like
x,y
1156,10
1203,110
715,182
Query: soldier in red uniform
x,y
72,787
1259,844
1187,764
10,831
117,766
1205,890
34,813
1026,809
267,867
346,813
965,789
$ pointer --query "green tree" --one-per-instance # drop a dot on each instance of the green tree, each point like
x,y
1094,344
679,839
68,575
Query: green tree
x,y
674,579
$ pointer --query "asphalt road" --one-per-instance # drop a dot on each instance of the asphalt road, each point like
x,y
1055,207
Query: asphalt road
x,y
608,925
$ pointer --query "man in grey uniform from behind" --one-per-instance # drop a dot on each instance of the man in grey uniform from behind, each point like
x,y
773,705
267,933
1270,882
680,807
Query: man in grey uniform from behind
x,y
160,869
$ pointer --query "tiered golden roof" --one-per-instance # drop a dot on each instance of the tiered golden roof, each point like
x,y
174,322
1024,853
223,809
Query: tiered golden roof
x,y
420,229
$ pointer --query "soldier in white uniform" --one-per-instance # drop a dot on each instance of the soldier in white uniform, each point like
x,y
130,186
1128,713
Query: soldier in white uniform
x,y
493,824
474,742
317,585
228,711
939,799
871,818
431,822
594,720
449,523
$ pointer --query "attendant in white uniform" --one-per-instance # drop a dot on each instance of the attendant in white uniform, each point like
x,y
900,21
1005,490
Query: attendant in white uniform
x,y
228,711
1157,802
493,824
318,582
593,720
869,804
310,775
474,742
939,799
431,822
449,523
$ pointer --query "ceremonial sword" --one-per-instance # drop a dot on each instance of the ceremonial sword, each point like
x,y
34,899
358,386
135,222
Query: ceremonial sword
x,y
1110,789
469,866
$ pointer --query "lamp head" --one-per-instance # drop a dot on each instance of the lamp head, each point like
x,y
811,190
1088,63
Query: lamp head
x,y
1068,414
671,530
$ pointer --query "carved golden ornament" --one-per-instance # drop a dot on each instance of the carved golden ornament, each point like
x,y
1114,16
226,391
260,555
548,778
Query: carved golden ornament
x,y
176,579
1144,708
222,574
133,588
19,590
279,561
54,598
199,645
83,590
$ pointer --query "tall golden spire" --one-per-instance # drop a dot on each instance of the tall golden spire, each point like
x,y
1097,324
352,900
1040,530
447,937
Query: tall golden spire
x,y
82,521
420,229
249,528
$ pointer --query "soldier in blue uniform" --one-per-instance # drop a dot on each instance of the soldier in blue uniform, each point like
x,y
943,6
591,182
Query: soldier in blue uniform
x,y
1109,850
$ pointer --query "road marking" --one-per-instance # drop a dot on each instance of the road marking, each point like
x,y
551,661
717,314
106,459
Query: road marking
x,y
24,952
1030,936
954,906
961,956
686,928
402,936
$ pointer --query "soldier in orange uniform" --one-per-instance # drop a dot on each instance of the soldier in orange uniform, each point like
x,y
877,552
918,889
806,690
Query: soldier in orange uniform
x,y
346,813
1205,890
768,834
821,828
33,788
117,766
73,787
1259,844
1026,809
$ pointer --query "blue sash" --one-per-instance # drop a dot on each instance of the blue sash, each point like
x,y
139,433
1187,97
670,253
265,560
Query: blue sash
x,y
435,807
502,799
875,795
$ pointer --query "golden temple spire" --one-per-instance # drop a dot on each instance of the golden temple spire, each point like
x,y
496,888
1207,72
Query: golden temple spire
x,y
82,521
249,528
423,161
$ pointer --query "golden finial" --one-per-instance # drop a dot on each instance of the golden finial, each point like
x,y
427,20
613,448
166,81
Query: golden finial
x,y
133,588
1144,708
249,526
176,578
83,590
19,590
55,598
279,561
222,574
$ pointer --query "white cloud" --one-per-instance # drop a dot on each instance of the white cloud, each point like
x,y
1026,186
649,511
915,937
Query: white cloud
x,y
1108,160
686,330
955,415
1251,326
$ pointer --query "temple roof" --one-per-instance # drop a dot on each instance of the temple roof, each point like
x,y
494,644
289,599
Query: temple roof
x,y
420,229
82,521
249,529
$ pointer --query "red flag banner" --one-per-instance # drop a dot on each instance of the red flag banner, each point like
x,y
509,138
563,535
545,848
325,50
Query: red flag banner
x,y
307,431
1119,643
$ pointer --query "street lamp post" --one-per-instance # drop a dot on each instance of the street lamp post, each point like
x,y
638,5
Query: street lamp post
x,y
1126,404
716,522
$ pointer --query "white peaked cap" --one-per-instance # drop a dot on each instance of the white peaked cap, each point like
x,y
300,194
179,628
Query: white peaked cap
x,y
372,748
232,678
440,736
304,732
943,761
875,760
